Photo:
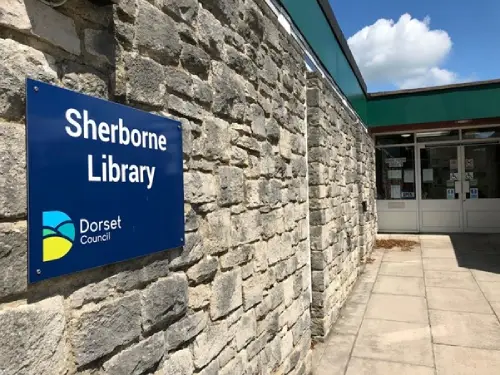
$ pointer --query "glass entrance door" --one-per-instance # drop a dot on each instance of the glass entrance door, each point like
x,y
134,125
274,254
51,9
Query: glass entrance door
x,y
440,189
481,187
459,188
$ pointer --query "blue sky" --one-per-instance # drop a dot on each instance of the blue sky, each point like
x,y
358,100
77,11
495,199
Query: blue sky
x,y
471,50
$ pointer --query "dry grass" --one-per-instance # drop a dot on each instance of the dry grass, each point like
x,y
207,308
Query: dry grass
x,y
403,245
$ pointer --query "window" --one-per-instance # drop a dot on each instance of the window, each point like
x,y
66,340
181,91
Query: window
x,y
396,172
440,135
481,133
394,139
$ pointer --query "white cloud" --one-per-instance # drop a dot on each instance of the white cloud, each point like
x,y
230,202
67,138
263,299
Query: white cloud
x,y
406,53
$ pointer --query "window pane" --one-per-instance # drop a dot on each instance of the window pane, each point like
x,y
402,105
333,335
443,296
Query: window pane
x,y
396,172
435,136
439,166
482,133
482,164
394,139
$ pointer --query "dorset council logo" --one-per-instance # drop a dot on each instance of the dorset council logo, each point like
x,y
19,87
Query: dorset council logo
x,y
58,235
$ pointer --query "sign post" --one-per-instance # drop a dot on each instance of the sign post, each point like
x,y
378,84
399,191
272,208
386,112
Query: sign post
x,y
105,182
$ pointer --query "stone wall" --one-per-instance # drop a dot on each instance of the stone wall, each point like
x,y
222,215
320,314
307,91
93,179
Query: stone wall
x,y
236,299
342,200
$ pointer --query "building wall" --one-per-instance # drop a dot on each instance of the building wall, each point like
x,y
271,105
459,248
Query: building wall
x,y
341,161
237,298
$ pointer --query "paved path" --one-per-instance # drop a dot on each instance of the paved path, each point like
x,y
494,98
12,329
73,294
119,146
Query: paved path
x,y
430,311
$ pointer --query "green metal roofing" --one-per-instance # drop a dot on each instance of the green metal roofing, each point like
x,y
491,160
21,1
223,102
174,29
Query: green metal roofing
x,y
317,23
477,100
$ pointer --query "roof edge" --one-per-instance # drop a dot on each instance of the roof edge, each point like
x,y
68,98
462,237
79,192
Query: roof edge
x,y
384,94
339,35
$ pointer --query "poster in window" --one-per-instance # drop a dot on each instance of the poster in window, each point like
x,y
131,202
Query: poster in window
x,y
395,191
428,175
453,164
474,193
395,174
450,193
409,176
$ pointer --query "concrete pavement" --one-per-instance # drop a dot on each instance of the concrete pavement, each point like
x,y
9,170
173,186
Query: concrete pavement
x,y
433,310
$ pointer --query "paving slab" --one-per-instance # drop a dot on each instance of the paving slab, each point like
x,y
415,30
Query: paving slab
x,y
442,264
402,256
395,341
336,355
465,329
413,269
450,279
438,253
485,276
400,308
496,308
457,300
491,290
365,366
350,318
408,286
454,360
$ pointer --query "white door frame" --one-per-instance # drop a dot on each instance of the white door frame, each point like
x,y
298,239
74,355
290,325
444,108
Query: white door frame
x,y
460,144
432,212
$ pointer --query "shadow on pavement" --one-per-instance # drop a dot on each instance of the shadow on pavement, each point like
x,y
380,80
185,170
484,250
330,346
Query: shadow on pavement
x,y
477,251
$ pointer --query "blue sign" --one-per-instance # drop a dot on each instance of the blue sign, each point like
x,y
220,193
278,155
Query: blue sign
x,y
105,182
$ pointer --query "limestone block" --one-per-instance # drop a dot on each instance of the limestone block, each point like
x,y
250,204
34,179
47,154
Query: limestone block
x,y
253,291
233,367
41,20
211,369
229,93
99,43
185,10
211,33
231,182
179,363
138,358
202,91
246,329
214,142
178,81
185,329
199,296
12,170
19,62
234,257
101,329
80,78
164,301
185,108
245,227
145,80
161,43
199,187
226,294
225,10
32,339
13,250
202,271
195,60
210,343
216,231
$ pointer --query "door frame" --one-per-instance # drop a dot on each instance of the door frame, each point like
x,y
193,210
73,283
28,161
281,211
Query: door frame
x,y
420,200
460,145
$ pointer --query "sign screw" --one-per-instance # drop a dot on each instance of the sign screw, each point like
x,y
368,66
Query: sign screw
x,y
38,272
182,239
35,88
